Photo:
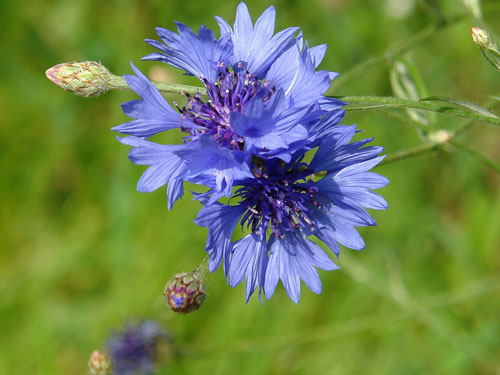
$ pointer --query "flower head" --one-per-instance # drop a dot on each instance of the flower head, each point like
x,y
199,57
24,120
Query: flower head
x,y
284,203
185,292
134,351
262,95
87,78
247,134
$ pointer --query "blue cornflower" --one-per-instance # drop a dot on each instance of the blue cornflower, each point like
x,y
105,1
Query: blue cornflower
x,y
135,350
262,98
284,203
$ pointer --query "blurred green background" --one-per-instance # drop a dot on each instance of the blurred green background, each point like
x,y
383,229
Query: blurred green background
x,y
82,252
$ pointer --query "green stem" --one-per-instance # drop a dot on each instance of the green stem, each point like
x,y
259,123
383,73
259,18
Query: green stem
x,y
119,83
388,102
202,269
405,154
468,124
401,118
478,156
398,49
371,102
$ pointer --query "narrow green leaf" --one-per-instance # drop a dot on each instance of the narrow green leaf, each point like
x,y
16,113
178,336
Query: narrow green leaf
x,y
387,102
474,6
463,104
407,83
477,155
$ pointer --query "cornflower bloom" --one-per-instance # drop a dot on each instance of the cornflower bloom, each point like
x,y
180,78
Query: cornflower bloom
x,y
262,93
284,203
135,350
262,110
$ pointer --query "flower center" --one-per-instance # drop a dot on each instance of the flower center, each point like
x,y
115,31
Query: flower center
x,y
279,201
231,92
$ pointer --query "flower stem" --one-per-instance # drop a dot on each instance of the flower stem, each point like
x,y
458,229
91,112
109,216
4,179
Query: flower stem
x,y
422,35
367,102
478,156
119,83
388,102
405,154
202,269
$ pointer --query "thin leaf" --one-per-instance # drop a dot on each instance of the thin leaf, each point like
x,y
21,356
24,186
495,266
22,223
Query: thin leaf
x,y
474,6
407,83
477,155
463,104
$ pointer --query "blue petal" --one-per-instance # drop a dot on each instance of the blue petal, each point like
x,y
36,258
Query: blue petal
x,y
295,73
365,198
328,237
266,129
152,114
293,258
317,256
175,191
255,46
353,216
336,228
273,267
220,221
163,160
214,166
336,153
367,180
225,29
347,235
249,260
326,125
331,104
289,275
358,168
350,205
198,54
317,54
354,196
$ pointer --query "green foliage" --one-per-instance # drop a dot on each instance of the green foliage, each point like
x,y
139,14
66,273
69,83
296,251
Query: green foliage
x,y
82,252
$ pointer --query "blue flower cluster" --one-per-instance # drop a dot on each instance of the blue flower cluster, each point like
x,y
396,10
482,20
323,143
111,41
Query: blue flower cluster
x,y
136,349
246,138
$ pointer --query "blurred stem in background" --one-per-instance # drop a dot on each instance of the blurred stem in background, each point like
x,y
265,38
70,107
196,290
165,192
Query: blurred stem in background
x,y
400,48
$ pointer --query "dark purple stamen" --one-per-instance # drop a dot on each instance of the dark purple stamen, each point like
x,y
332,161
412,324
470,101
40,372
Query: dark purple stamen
x,y
275,199
230,93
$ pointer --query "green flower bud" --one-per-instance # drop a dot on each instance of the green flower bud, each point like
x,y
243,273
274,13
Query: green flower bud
x,y
185,292
487,45
440,137
100,364
87,78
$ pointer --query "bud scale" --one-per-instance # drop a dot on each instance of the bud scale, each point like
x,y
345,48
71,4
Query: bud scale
x,y
87,78
185,292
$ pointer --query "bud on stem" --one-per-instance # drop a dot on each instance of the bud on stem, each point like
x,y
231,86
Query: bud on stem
x,y
87,78
90,78
487,45
100,364
186,292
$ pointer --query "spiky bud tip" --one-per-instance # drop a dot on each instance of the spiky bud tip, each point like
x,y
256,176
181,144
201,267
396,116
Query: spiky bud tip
x,y
100,364
480,36
86,78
